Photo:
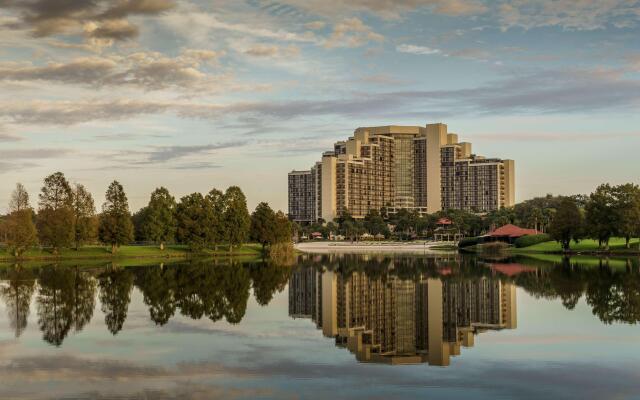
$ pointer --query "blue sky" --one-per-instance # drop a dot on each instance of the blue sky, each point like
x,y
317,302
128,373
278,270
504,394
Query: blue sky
x,y
200,94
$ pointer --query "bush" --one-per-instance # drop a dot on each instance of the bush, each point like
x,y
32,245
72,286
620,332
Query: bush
x,y
468,242
494,248
530,240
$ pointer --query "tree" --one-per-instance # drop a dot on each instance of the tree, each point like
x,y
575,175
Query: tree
x,y
84,216
600,218
19,199
216,203
283,229
55,213
263,225
193,216
139,220
237,220
627,210
567,224
116,227
160,221
20,229
374,223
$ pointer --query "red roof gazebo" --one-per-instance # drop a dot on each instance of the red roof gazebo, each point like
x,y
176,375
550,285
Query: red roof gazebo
x,y
511,231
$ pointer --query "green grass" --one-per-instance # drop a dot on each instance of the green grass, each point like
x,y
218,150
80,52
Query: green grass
x,y
616,245
128,252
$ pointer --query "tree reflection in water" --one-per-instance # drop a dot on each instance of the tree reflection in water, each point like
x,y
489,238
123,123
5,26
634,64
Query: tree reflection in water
x,y
66,300
66,296
17,291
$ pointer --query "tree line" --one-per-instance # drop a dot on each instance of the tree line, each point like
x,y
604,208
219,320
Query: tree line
x,y
610,211
66,217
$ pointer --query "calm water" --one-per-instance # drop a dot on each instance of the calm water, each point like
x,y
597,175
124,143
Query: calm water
x,y
329,327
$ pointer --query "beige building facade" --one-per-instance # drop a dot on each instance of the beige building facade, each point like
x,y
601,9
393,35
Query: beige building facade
x,y
403,167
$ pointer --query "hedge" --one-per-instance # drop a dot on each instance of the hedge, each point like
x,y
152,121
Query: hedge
x,y
467,242
530,240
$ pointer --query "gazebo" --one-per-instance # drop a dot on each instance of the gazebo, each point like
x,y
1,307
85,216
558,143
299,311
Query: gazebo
x,y
509,233
445,232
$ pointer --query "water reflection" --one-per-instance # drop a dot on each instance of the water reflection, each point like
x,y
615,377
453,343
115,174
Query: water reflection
x,y
404,309
424,310
394,320
66,296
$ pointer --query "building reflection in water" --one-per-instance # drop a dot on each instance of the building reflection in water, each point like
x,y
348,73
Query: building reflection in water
x,y
396,321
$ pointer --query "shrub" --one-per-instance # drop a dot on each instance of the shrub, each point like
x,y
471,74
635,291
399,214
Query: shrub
x,y
530,240
467,242
494,248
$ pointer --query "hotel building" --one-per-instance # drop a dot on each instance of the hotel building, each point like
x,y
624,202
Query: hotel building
x,y
412,167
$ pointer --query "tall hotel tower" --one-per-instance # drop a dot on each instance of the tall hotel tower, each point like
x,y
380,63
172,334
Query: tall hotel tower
x,y
420,168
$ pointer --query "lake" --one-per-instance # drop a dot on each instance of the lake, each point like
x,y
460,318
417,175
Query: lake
x,y
330,326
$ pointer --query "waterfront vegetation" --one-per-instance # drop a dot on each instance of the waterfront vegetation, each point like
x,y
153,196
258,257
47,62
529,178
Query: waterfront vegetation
x,y
67,226
598,222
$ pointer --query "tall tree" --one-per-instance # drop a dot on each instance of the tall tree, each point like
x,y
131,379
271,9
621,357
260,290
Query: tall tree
x,y
600,216
193,219
374,223
263,225
84,216
283,228
55,212
20,229
160,221
237,221
19,199
116,227
627,210
567,224
216,202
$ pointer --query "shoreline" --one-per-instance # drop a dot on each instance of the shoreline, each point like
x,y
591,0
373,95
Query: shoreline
x,y
367,247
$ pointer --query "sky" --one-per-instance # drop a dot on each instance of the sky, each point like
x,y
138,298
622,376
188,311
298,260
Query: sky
x,y
193,95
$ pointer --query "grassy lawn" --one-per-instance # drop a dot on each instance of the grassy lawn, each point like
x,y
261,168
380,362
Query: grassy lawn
x,y
128,252
615,245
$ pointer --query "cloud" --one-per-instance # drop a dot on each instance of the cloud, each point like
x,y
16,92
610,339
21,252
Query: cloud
x,y
116,30
33,154
544,92
352,32
315,25
6,167
390,9
167,153
8,137
413,49
83,70
179,157
467,54
41,112
148,70
264,50
188,22
46,17
569,14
